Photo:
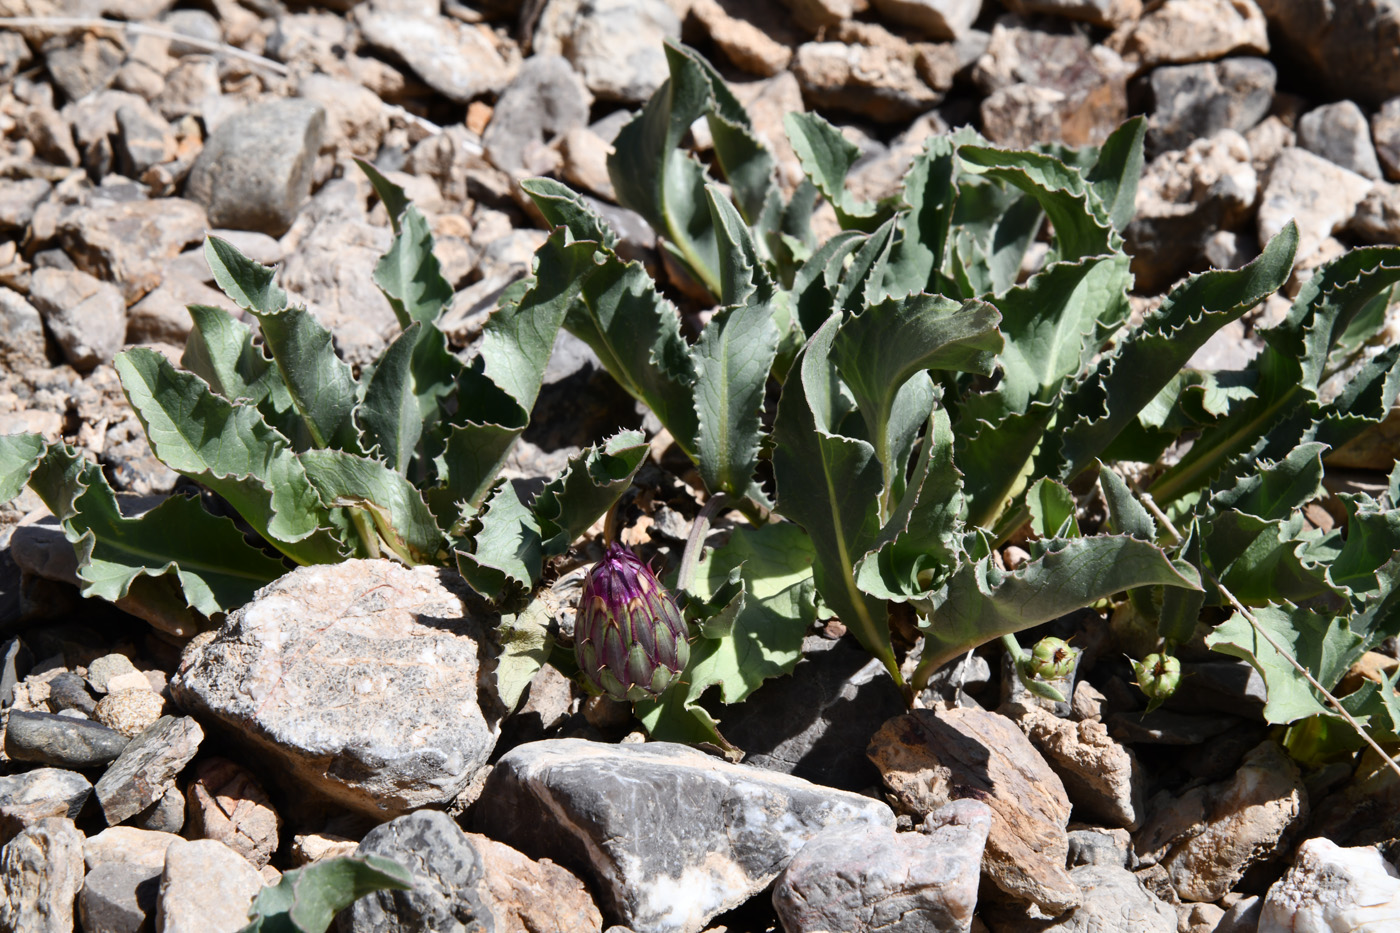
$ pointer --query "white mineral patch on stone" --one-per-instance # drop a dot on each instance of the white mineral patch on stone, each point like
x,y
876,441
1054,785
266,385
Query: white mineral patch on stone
x,y
1334,890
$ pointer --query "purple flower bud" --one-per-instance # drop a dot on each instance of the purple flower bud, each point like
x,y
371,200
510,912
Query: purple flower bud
x,y
629,637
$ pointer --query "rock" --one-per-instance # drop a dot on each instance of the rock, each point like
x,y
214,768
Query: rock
x,y
876,879
228,804
144,138
768,102
879,82
356,120
1207,837
1101,777
127,242
166,815
21,332
87,317
1242,917
616,46
60,741
1353,46
69,691
332,271
1180,31
41,872
1340,134
1113,898
730,828
939,19
140,847
162,316
103,669
835,698
1319,195
389,659
31,796
206,887
545,101
1184,197
118,897
147,767
817,15
82,66
18,200
1377,218
255,169
1330,889
928,758
585,155
1098,846
462,881
1107,13
1385,133
1197,101
751,46
460,61
313,847
130,712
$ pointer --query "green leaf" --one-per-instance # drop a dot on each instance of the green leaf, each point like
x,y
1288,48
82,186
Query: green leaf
x,y
394,199
929,194
732,361
747,164
395,505
830,485
1181,608
826,158
321,385
994,225
587,488
19,455
980,602
1324,645
1270,560
814,286
525,647
231,450
1052,509
471,458
248,284
505,553
408,274
306,900
743,280
564,207
216,568
1126,514
995,459
1115,174
390,418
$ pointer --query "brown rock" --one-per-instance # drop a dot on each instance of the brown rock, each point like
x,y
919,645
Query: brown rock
x,y
767,102
1109,14
1377,218
356,119
87,317
524,895
586,161
938,19
880,83
1102,777
816,15
142,847
1385,133
313,847
41,873
228,804
748,45
1180,31
1373,449
928,758
130,712
1353,46
1321,196
126,242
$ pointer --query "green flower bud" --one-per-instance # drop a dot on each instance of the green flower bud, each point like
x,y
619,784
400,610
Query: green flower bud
x,y
1052,659
1158,676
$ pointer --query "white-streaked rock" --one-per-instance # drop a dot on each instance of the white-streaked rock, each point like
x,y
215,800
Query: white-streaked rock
x,y
1330,889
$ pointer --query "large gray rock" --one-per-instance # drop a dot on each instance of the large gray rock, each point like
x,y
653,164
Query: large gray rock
x,y
1195,101
1319,195
1330,889
87,317
60,740
206,887
458,60
1352,45
127,242
870,880
616,46
670,837
255,170
118,897
41,872
1340,133
466,882
361,678
545,101
31,796
147,767
1113,899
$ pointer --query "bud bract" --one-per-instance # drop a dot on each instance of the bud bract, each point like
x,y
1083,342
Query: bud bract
x,y
629,637
1158,676
1052,659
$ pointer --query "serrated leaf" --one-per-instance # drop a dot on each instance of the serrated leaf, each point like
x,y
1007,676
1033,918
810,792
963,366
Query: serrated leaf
x,y
747,164
830,485
1052,509
743,280
320,383
19,455
994,226
732,361
1126,514
391,195
863,282
505,555
815,284
587,488
248,284
1114,176
826,157
564,207
995,460
399,513
409,274
231,450
1181,608
216,568
1372,540
1324,645
980,602
525,646
306,900
389,418
1267,560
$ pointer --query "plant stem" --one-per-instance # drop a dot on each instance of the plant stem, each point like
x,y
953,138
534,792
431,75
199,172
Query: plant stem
x,y
369,537
695,544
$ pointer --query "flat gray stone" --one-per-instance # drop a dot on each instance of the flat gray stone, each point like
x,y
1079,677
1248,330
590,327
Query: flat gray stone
x,y
118,897
255,169
361,678
87,317
147,767
1340,133
41,872
1199,100
30,796
545,101
21,332
61,741
669,836
127,242
206,887
457,60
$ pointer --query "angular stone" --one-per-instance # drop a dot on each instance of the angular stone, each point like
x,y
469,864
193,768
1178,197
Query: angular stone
x,y
875,879
356,118
1197,101
313,847
1385,133
126,242
545,100
616,46
61,741
141,847
30,796
1330,889
1208,837
1377,218
458,60
144,138
332,270
228,804
1113,899
361,678
938,19
1320,196
729,829
103,669
69,691
255,169
1340,134
166,815
1097,846
1102,777
147,767
879,82
748,34
41,872
205,887
87,317
84,65
1107,13
1353,46
928,758
118,897
130,712
523,894
21,332
1181,31
18,198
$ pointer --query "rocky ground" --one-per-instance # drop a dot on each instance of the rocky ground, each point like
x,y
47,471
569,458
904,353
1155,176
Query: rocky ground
x,y
153,782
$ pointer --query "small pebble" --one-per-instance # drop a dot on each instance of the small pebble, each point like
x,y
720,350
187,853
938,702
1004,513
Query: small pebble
x,y
101,671
130,711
